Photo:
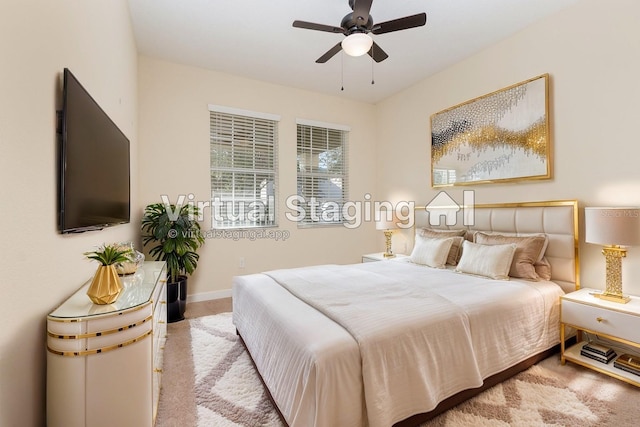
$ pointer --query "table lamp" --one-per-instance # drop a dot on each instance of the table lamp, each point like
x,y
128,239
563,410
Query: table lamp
x,y
615,228
387,221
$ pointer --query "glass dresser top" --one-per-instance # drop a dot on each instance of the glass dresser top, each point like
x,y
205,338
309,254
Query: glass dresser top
x,y
138,290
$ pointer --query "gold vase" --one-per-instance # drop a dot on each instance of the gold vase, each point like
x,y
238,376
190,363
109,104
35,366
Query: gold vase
x,y
105,286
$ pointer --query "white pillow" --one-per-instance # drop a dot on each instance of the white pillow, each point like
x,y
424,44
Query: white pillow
x,y
431,252
493,261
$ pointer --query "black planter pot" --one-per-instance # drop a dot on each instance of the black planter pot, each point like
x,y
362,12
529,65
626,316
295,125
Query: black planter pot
x,y
176,299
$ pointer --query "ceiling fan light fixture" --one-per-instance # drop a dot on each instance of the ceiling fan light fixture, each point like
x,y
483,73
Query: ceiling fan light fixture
x,y
357,44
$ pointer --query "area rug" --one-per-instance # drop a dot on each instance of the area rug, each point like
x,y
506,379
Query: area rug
x,y
228,391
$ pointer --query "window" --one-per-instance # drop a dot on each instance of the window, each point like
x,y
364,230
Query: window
x,y
243,168
322,173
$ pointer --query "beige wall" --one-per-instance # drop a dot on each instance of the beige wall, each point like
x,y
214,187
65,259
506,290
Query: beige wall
x,y
41,268
174,160
591,53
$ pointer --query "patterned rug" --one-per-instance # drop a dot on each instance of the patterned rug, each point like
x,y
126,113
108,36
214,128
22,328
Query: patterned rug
x,y
229,392
227,388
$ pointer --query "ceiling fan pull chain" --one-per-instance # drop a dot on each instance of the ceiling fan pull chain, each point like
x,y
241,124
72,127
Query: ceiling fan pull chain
x,y
372,80
342,72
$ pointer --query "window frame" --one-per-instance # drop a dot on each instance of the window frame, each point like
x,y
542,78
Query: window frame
x,y
317,175
257,141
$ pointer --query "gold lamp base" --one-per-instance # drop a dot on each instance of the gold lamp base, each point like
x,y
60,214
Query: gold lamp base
x,y
387,236
612,297
613,291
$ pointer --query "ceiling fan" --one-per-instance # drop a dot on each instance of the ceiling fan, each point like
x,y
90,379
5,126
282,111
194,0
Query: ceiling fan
x,y
356,26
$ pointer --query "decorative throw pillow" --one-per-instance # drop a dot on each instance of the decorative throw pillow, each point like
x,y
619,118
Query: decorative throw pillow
x,y
493,261
529,250
506,233
456,246
431,252
543,269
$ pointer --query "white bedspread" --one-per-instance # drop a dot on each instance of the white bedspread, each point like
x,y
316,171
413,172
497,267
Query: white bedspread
x,y
422,335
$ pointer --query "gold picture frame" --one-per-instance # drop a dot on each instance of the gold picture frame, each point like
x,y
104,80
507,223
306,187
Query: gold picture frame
x,y
499,137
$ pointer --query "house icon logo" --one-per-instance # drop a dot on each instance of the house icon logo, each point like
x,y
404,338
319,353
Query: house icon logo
x,y
443,206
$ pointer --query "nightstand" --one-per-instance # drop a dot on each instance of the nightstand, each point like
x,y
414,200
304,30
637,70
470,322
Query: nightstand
x,y
379,256
618,324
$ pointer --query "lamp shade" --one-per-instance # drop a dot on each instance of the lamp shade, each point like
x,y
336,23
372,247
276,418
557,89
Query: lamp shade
x,y
612,226
357,44
386,220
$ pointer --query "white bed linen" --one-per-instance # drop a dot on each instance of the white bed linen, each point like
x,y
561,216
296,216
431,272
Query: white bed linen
x,y
310,364
406,369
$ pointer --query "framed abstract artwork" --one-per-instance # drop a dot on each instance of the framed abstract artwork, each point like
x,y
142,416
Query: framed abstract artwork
x,y
499,137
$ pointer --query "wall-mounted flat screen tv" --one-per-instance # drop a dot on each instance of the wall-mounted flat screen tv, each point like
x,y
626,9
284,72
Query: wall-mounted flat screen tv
x,y
94,174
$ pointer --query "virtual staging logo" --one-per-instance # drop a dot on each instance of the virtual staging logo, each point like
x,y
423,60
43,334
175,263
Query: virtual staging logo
x,y
443,206
442,210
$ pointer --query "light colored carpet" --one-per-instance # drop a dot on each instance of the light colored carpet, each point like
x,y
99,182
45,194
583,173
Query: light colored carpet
x,y
227,392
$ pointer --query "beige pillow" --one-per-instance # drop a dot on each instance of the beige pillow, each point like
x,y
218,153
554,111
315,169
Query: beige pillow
x,y
510,234
493,261
431,252
456,246
543,269
529,250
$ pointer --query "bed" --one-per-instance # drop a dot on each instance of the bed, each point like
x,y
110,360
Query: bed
x,y
397,342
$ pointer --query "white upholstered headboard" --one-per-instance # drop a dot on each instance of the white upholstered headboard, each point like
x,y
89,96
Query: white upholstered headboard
x,y
557,219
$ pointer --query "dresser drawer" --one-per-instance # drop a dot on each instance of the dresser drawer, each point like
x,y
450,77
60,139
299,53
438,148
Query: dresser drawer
x,y
604,321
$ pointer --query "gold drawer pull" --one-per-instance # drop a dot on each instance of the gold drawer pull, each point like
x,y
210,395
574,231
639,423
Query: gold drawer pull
x,y
600,319
158,370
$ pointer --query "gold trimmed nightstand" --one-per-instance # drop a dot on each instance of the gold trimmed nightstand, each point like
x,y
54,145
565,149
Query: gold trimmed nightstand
x,y
618,325
379,256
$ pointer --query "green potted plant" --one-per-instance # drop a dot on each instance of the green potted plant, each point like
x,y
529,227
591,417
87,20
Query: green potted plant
x,y
106,286
174,236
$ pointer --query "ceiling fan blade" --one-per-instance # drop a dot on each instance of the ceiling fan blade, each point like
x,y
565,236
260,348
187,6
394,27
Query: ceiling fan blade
x,y
327,56
400,24
361,9
317,27
377,53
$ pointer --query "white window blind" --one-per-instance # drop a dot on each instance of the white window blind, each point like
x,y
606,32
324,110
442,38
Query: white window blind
x,y
322,173
243,168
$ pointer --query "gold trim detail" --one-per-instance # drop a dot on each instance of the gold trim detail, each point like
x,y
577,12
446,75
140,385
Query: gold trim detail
x,y
98,316
99,350
98,334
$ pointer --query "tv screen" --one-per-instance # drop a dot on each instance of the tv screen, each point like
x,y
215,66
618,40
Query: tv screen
x,y
94,164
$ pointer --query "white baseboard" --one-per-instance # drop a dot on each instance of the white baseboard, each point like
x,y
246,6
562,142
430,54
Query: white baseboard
x,y
207,296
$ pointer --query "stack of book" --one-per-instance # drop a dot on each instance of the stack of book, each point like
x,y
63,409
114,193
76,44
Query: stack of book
x,y
628,363
598,352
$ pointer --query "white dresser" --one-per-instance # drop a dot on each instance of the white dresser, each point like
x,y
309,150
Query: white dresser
x,y
104,362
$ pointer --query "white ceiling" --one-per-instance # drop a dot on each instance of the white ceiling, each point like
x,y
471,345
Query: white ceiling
x,y
255,39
